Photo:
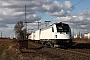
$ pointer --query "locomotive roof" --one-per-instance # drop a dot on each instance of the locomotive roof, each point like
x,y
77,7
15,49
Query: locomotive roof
x,y
53,24
60,23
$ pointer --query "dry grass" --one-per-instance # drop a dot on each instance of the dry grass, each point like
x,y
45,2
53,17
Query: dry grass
x,y
81,40
4,44
13,52
8,49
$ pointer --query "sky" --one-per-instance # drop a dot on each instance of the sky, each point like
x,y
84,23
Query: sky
x,y
73,12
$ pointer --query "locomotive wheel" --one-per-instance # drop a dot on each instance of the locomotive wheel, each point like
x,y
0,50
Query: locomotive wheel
x,y
55,45
49,44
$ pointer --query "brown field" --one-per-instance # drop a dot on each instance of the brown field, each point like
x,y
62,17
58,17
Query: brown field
x,y
6,49
81,40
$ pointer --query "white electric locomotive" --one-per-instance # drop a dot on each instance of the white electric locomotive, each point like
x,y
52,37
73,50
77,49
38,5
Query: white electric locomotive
x,y
55,34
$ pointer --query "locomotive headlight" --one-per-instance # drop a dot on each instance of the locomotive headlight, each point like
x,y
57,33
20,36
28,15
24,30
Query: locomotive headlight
x,y
55,36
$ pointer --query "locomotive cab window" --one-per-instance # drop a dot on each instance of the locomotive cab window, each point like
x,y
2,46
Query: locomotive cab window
x,y
62,27
52,29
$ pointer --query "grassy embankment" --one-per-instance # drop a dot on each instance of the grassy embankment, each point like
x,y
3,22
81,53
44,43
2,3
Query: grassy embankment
x,y
4,43
8,49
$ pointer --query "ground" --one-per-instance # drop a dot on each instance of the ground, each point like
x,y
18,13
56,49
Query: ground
x,y
19,50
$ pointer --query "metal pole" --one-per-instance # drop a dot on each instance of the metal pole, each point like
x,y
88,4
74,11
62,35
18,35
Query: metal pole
x,y
1,34
38,25
73,32
25,34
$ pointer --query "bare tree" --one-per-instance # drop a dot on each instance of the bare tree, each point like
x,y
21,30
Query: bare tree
x,y
18,29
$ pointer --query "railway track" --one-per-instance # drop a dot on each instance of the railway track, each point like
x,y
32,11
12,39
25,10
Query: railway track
x,y
84,51
65,54
69,54
83,55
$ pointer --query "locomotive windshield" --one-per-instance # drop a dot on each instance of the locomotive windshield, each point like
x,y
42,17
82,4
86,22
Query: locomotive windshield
x,y
62,27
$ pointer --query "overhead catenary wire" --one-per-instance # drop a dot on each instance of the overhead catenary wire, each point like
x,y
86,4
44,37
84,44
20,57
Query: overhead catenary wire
x,y
67,0
72,6
78,2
